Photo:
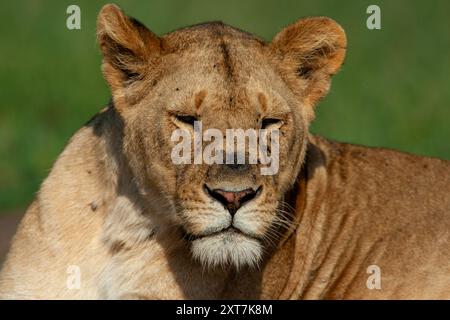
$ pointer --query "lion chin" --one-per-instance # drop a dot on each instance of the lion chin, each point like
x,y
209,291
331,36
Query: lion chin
x,y
227,248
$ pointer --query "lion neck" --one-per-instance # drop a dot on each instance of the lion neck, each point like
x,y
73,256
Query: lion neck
x,y
306,265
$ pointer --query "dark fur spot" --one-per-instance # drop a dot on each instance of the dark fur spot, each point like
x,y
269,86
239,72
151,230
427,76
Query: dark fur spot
x,y
116,247
199,97
226,60
305,72
262,101
93,206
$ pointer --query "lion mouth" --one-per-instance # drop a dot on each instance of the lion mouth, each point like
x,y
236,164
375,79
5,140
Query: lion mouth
x,y
230,230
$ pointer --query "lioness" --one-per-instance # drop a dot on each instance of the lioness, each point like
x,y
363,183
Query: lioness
x,y
116,218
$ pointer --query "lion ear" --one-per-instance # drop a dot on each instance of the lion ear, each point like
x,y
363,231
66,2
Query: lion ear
x,y
127,46
309,52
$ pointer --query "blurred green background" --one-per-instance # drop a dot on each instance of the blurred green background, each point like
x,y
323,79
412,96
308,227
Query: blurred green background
x,y
393,91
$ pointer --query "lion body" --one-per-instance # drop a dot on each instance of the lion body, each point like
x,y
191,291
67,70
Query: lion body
x,y
116,218
358,207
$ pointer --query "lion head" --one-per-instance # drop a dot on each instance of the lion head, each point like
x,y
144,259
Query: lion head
x,y
223,78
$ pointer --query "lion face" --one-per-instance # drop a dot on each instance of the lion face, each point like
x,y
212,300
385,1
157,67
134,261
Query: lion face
x,y
207,79
228,212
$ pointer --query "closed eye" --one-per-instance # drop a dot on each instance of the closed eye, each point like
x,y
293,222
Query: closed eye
x,y
186,119
269,122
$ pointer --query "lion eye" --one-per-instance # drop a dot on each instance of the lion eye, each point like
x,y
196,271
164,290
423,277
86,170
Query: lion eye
x,y
187,119
269,122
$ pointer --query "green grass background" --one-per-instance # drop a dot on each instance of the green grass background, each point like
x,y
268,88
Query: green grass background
x,y
393,90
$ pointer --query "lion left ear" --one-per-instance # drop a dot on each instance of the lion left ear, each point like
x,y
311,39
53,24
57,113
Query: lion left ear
x,y
309,52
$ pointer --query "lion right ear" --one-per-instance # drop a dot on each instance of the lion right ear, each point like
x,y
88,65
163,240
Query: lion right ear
x,y
128,47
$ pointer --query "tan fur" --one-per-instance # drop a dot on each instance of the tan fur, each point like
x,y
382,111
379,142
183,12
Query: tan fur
x,y
117,207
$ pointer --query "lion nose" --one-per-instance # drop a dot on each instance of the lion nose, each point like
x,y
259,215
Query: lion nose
x,y
233,200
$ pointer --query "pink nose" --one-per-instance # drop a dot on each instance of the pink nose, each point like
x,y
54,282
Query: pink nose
x,y
232,200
